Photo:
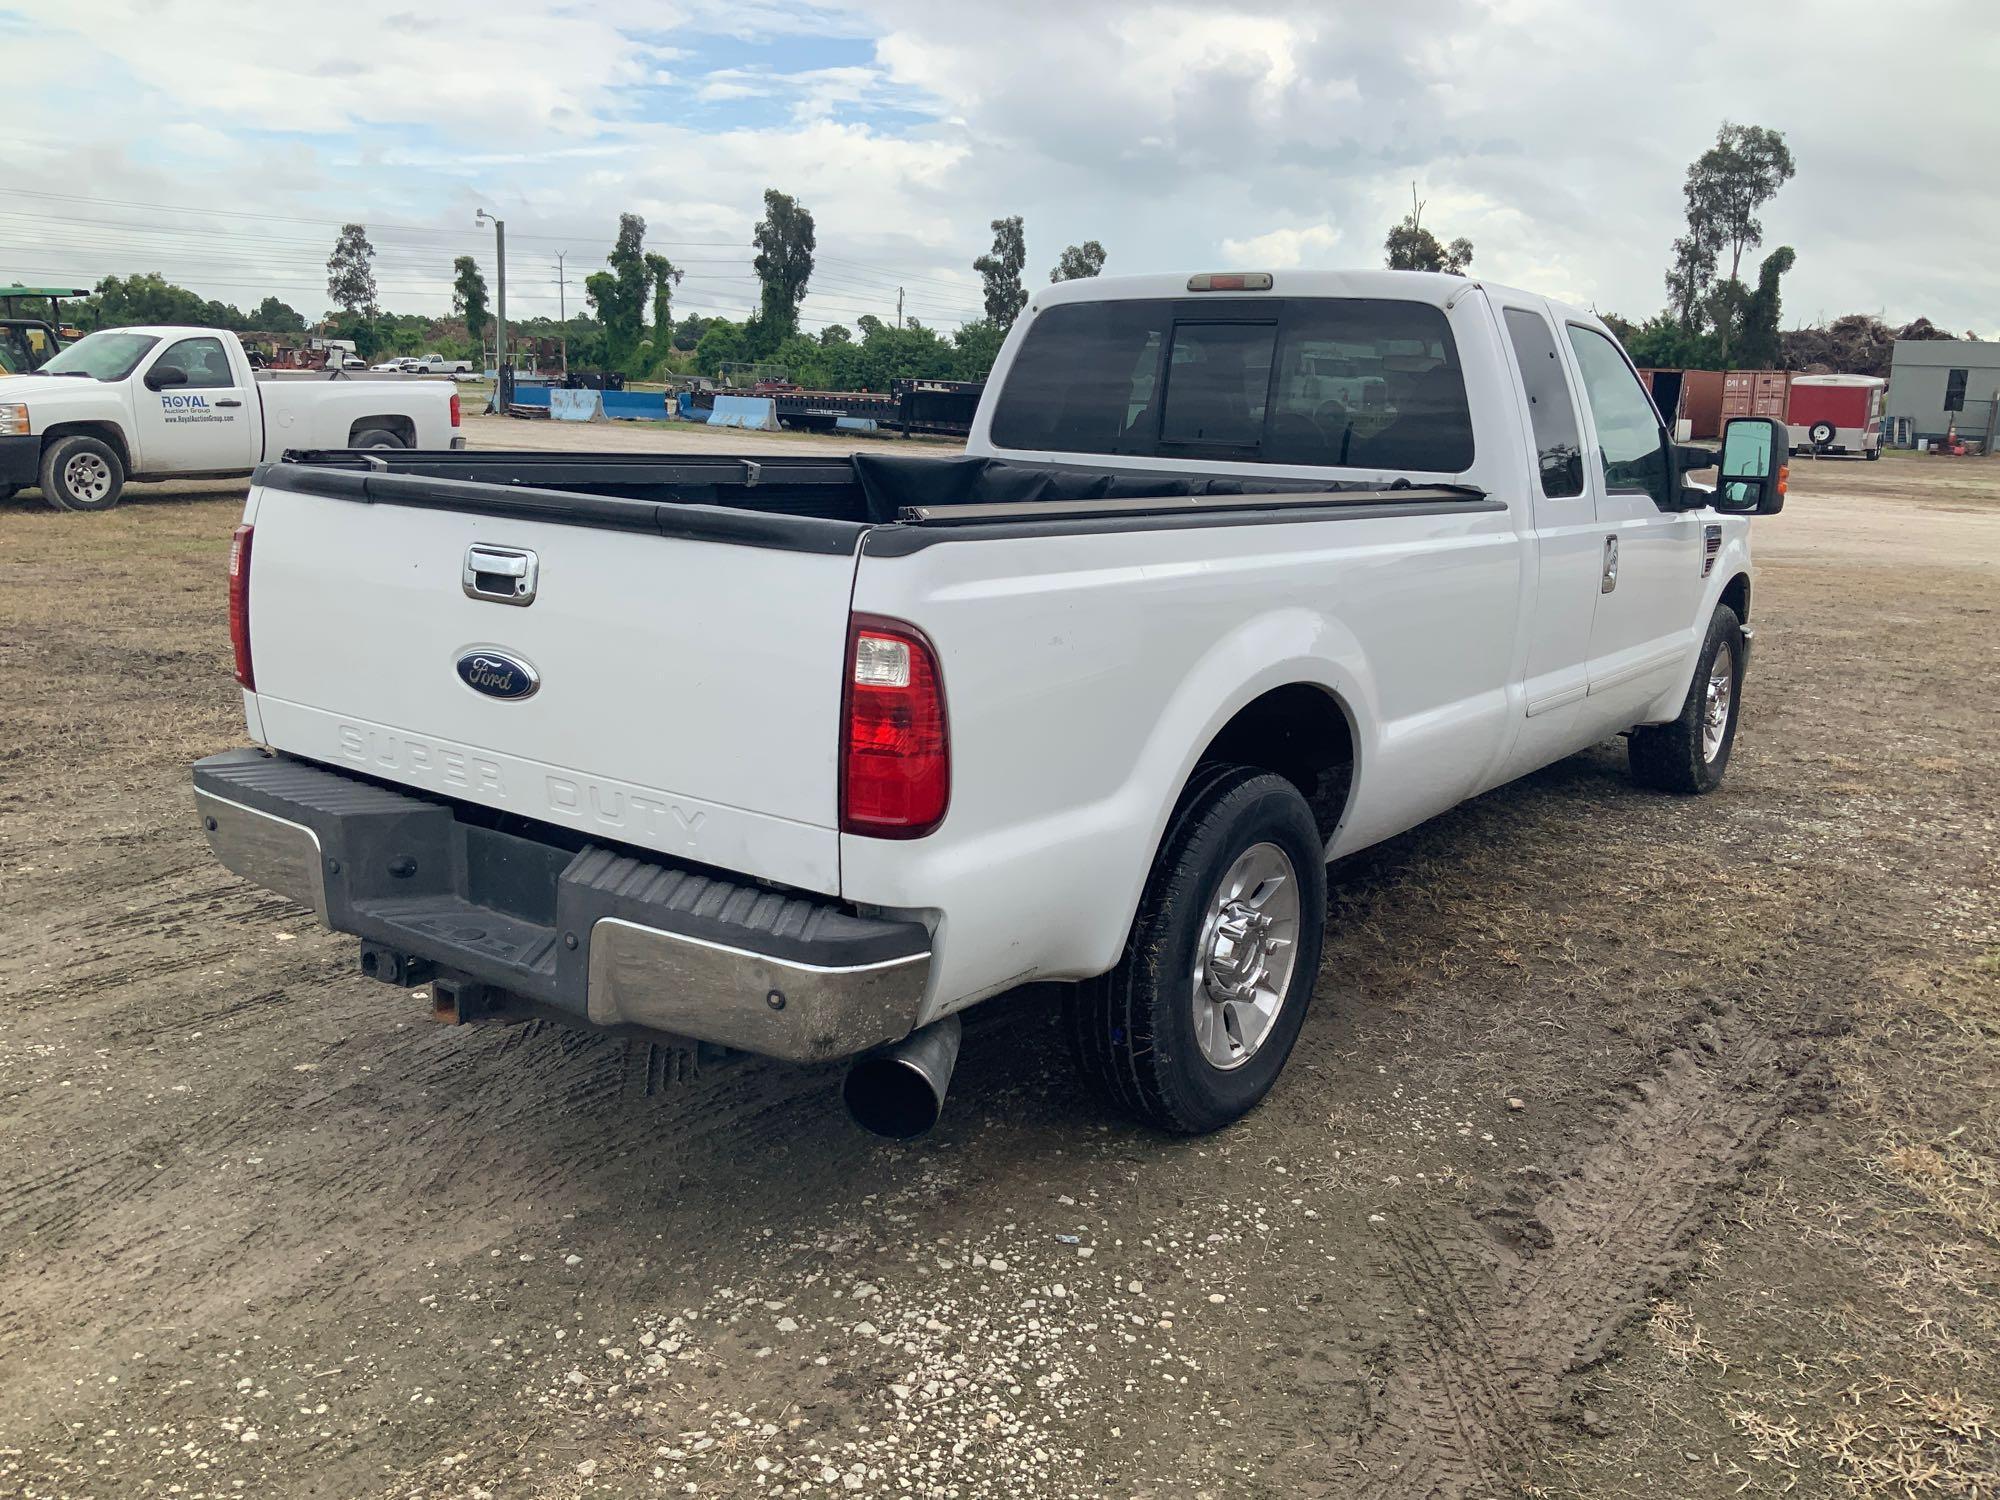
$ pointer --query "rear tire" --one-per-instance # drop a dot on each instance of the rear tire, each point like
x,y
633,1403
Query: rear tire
x,y
1872,454
80,472
1215,919
1691,754
377,437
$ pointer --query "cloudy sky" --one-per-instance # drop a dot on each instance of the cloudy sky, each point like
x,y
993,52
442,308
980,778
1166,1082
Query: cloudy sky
x,y
222,143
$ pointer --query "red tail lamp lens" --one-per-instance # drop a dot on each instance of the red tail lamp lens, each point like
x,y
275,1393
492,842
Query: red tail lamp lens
x,y
896,763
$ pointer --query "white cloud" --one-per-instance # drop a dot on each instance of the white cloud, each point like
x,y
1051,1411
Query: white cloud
x,y
1553,133
1284,249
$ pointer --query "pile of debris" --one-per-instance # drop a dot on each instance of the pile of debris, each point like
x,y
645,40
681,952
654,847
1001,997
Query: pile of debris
x,y
1857,344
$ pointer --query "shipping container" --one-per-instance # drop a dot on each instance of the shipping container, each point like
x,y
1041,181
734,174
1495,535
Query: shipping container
x,y
1756,393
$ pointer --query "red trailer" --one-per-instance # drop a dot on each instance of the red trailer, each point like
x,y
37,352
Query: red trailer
x,y
1836,414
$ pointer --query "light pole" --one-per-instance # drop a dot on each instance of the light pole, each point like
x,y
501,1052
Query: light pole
x,y
500,257
562,310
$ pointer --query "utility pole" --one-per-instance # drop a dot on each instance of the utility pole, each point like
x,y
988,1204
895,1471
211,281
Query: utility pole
x,y
562,310
899,309
500,256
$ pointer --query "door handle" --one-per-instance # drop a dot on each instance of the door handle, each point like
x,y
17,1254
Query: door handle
x,y
1610,566
229,403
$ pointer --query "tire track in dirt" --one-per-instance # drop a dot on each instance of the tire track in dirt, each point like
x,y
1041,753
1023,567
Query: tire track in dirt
x,y
1478,1362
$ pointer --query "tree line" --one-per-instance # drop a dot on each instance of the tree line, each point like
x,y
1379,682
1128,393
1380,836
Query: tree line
x,y
629,323
1715,316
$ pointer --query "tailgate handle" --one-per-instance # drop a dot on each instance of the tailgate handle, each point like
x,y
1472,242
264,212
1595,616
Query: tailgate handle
x,y
501,575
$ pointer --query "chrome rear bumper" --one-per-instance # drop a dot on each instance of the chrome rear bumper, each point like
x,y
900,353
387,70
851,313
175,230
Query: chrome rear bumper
x,y
611,939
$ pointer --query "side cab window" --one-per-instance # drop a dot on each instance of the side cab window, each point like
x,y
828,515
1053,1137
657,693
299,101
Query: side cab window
x,y
204,359
1631,441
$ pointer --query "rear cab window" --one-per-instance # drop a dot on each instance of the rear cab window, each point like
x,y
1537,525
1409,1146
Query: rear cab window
x,y
1317,382
1551,410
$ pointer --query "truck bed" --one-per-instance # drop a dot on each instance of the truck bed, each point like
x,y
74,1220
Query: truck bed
x,y
632,491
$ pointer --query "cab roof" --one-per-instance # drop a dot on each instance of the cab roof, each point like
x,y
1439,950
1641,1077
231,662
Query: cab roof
x,y
1434,287
165,330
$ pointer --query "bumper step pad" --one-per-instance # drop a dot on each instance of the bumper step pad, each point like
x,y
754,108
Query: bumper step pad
x,y
520,911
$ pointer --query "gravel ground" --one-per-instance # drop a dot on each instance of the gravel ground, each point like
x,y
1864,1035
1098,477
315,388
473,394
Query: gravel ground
x,y
1634,1146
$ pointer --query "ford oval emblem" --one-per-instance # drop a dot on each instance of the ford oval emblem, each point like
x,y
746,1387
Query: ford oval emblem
x,y
497,675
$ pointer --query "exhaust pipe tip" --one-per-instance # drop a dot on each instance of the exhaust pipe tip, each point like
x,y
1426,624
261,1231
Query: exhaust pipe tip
x,y
898,1091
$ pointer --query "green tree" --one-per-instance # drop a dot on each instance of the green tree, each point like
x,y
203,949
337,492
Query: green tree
x,y
1411,247
1690,275
1078,261
836,333
1747,321
721,342
1662,343
468,298
1000,269
350,271
273,316
1726,186
688,332
147,297
784,264
664,275
365,332
974,348
1730,182
619,294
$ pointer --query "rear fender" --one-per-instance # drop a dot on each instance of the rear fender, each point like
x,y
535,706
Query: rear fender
x,y
1270,651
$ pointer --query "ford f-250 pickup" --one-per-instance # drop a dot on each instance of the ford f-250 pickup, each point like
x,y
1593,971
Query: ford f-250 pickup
x,y
129,404
802,756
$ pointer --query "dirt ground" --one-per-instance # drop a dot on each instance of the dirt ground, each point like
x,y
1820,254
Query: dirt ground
x,y
267,1230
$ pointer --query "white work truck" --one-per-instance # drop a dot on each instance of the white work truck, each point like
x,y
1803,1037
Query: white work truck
x,y
437,364
802,755
136,404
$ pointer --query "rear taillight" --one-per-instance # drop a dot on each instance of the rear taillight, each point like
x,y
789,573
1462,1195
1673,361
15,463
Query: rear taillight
x,y
457,417
895,767
239,605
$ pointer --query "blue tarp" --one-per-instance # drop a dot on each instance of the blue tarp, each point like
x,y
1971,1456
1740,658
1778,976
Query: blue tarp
x,y
758,412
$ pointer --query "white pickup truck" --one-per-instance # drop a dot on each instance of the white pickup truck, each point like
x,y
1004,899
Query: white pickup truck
x,y
136,404
802,756
437,364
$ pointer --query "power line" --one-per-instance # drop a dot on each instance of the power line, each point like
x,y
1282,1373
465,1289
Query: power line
x,y
894,274
237,213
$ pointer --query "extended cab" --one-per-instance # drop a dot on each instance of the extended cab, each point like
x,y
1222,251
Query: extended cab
x,y
136,404
804,755
437,364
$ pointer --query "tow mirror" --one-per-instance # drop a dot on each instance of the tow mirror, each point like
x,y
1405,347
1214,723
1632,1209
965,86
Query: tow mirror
x,y
161,376
1754,469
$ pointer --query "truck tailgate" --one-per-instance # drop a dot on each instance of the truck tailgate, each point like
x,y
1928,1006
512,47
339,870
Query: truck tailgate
x,y
687,692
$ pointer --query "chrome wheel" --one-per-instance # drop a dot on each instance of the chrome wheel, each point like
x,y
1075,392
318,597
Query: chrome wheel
x,y
1244,957
88,478
1720,694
